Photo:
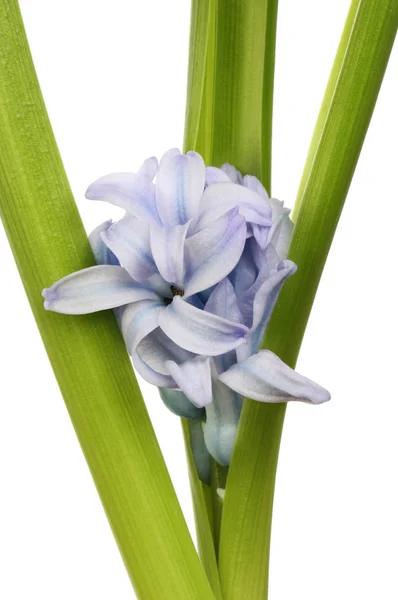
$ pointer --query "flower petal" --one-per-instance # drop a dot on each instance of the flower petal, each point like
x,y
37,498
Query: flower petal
x,y
135,193
261,235
151,375
129,241
199,331
179,404
264,377
223,302
255,184
138,320
268,261
221,197
215,175
222,420
180,183
264,302
213,252
103,255
233,174
245,272
156,349
280,234
94,289
167,245
149,167
193,377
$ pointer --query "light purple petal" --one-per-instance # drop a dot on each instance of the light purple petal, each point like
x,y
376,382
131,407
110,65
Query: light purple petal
x,y
268,262
263,305
215,175
167,245
281,233
180,183
277,208
160,286
94,289
222,420
226,360
223,302
267,258
245,272
103,255
233,174
149,167
213,252
261,235
264,377
138,320
255,184
156,349
265,300
151,375
221,197
199,331
197,300
193,377
135,193
179,404
129,241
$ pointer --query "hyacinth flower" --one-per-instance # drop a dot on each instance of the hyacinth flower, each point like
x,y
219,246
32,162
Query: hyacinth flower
x,y
194,269
228,120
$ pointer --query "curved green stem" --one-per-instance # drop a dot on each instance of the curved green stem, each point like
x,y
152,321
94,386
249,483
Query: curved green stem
x,y
87,352
340,131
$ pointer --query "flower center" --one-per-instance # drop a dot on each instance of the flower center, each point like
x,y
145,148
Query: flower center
x,y
176,292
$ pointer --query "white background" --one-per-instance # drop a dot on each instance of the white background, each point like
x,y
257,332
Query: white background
x,y
113,75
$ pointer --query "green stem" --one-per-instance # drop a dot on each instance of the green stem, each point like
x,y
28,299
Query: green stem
x,y
345,114
87,352
199,107
243,85
198,136
204,521
229,119
218,481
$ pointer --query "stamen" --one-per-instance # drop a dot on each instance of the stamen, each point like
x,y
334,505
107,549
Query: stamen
x,y
176,291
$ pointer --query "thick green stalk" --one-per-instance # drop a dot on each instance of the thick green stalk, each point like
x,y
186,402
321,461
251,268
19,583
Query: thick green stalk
x,y
340,131
199,106
87,353
229,107
243,85
219,476
198,136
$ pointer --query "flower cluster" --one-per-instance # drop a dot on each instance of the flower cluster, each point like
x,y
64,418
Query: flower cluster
x,y
194,269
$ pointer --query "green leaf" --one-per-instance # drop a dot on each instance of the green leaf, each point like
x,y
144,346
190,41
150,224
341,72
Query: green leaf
x,y
340,131
87,353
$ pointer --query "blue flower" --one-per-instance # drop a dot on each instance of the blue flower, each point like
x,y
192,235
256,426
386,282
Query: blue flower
x,y
194,269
